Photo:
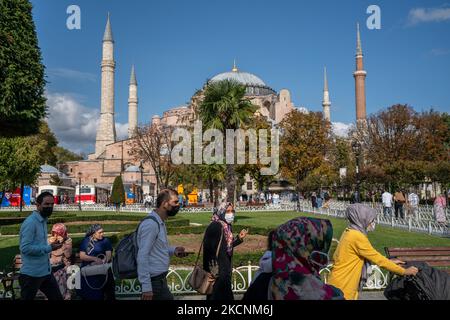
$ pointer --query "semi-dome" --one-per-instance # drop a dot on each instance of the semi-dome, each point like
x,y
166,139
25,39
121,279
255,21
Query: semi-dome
x,y
49,169
254,85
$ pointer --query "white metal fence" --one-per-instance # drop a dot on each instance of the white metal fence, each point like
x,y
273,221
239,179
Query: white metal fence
x,y
141,208
424,224
178,281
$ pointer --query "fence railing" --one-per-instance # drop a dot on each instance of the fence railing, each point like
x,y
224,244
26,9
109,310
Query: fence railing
x,y
242,277
425,222
141,208
410,224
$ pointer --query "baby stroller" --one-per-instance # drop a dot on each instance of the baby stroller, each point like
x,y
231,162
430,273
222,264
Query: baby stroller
x,y
429,284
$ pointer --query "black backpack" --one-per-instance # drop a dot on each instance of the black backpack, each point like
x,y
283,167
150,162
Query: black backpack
x,y
124,263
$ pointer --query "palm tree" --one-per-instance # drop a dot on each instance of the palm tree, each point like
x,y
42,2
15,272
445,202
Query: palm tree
x,y
212,175
226,107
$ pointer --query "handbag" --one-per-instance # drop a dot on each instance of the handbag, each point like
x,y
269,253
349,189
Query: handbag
x,y
200,280
95,270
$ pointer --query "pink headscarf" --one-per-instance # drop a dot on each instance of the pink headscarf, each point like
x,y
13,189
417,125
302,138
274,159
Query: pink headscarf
x,y
60,229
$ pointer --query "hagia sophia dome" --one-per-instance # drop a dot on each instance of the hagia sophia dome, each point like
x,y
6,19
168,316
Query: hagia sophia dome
x,y
255,86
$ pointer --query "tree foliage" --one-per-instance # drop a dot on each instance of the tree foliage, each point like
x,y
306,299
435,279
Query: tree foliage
x,y
118,191
22,83
402,147
303,144
153,145
19,162
225,107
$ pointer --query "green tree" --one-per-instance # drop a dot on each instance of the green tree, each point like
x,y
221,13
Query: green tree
x,y
226,107
19,162
303,144
22,83
63,155
55,180
258,122
45,140
118,192
213,175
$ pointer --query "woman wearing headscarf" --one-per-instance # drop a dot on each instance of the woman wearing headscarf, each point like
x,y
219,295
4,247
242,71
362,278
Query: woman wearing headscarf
x,y
60,258
96,249
299,252
219,238
439,209
354,252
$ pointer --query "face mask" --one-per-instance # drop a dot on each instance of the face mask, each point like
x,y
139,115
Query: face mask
x,y
371,227
46,212
317,256
173,211
229,218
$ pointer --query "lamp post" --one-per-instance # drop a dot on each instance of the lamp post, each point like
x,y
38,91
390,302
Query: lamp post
x,y
79,190
356,146
141,167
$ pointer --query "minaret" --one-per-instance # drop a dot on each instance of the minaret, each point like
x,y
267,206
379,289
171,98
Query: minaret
x,y
235,69
106,132
360,78
132,105
326,104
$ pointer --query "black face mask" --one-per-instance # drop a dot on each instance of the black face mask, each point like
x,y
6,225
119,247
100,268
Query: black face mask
x,y
173,211
46,212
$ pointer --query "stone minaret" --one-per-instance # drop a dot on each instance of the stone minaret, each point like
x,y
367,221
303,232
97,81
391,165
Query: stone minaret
x,y
360,78
132,105
106,132
326,104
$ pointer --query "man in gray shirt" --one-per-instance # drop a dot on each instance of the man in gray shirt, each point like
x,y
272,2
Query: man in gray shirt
x,y
154,253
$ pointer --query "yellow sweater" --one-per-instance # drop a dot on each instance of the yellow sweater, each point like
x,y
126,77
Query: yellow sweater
x,y
354,247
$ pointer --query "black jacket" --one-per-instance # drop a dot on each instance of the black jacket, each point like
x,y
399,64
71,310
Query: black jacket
x,y
222,287
429,284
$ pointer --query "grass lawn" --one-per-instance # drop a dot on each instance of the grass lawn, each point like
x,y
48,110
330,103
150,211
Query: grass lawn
x,y
383,236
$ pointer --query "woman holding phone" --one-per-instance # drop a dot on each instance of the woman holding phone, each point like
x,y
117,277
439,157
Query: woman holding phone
x,y
218,250
60,258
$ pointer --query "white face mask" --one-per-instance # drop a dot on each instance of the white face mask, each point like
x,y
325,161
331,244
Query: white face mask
x,y
371,227
229,218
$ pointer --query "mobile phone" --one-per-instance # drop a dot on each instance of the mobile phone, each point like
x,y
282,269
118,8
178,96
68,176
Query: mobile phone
x,y
186,253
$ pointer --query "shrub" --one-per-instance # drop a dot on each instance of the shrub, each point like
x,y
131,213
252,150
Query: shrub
x,y
81,228
118,191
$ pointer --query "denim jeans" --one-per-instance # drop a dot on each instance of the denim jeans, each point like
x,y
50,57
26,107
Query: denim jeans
x,y
399,207
387,211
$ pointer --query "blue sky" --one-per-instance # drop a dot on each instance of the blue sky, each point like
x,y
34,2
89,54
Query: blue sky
x,y
176,45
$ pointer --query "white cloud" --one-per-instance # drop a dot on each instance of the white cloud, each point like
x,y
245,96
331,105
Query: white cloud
x,y
71,74
419,15
75,125
440,52
122,131
341,129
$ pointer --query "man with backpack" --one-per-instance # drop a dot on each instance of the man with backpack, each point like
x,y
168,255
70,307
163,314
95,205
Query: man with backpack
x,y
399,201
153,251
